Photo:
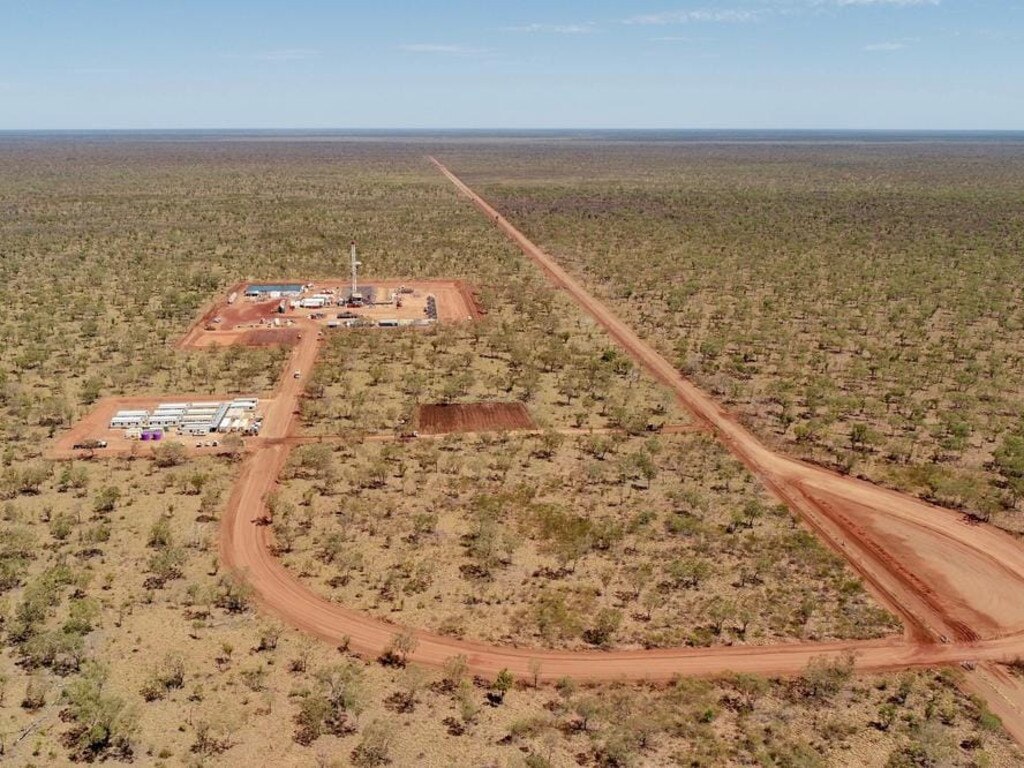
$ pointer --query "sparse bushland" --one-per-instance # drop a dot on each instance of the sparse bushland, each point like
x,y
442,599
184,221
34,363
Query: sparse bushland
x,y
857,306
107,252
610,540
533,347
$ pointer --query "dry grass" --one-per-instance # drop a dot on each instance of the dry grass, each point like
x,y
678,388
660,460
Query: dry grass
x,y
857,305
110,250
596,540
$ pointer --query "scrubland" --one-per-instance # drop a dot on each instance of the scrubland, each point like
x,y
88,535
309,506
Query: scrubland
x,y
857,305
122,640
589,541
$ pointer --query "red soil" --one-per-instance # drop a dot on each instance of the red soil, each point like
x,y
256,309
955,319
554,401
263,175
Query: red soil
x,y
269,337
473,417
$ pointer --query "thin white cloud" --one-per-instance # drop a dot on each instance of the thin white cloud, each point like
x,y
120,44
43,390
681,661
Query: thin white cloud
x,y
732,16
444,49
559,29
766,9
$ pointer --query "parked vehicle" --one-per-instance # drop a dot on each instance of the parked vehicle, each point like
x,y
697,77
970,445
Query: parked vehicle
x,y
89,445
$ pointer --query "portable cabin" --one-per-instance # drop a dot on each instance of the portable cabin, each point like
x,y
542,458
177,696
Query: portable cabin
x,y
129,419
164,421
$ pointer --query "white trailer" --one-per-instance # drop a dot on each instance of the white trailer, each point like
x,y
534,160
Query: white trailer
x,y
128,422
164,421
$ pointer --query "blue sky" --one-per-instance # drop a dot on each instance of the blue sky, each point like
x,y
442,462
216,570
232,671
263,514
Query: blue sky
x,y
942,64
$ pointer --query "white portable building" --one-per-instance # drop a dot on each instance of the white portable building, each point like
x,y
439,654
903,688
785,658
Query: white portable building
x,y
127,422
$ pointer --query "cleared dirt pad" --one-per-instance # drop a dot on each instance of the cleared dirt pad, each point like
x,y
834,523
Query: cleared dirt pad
x,y
270,336
439,419
96,426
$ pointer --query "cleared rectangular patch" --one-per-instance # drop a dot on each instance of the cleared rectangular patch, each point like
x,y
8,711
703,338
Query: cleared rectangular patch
x,y
441,418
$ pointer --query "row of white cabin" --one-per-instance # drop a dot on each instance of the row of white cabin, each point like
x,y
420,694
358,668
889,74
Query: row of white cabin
x,y
317,301
192,418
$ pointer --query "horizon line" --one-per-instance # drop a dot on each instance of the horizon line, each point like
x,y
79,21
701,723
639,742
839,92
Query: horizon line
x,y
499,129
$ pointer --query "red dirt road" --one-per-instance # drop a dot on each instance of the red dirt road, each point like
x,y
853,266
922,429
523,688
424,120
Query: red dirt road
x,y
941,574
947,579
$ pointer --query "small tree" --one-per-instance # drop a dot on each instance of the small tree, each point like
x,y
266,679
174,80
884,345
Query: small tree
x,y
169,454
399,649
234,593
106,499
374,749
548,443
104,724
454,671
502,684
535,669
160,533
825,677
585,707
233,444
1009,460
605,625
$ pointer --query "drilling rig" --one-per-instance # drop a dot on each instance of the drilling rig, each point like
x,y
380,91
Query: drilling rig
x,y
355,298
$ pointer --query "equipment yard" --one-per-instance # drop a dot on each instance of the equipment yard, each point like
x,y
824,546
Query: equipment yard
x,y
250,315
123,426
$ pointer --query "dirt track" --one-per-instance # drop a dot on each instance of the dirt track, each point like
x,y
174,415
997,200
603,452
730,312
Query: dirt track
x,y
956,585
